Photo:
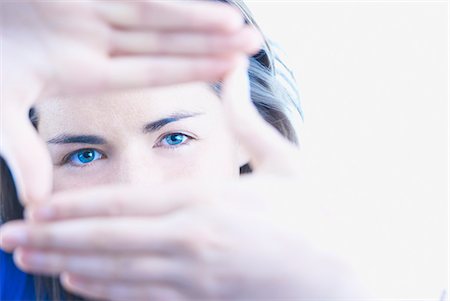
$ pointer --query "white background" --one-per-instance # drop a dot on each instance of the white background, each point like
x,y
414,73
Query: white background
x,y
373,77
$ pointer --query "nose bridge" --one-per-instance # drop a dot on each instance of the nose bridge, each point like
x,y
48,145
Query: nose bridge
x,y
135,165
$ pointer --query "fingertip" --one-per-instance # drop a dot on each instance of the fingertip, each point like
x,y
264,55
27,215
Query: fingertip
x,y
238,62
29,163
71,282
233,17
237,80
12,235
241,64
65,280
18,257
253,39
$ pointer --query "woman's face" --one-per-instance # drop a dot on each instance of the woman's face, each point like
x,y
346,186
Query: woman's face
x,y
141,137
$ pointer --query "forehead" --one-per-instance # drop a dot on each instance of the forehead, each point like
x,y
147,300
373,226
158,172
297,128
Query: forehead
x,y
125,108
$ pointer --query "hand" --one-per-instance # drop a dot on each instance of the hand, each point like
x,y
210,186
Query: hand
x,y
222,241
53,47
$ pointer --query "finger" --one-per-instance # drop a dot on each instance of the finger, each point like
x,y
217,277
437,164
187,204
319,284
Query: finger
x,y
27,158
247,40
14,238
135,72
171,15
266,147
159,236
105,267
121,201
90,288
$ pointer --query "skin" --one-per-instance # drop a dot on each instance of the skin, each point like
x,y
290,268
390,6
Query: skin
x,y
191,239
188,239
130,155
123,44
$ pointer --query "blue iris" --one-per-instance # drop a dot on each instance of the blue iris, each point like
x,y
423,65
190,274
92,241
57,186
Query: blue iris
x,y
174,139
84,156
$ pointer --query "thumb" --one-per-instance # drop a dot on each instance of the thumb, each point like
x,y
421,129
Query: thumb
x,y
27,158
267,148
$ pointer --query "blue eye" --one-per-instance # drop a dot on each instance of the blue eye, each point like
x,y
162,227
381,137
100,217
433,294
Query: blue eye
x,y
173,140
84,156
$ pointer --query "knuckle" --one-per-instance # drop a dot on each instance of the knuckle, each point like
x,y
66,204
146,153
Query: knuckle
x,y
42,237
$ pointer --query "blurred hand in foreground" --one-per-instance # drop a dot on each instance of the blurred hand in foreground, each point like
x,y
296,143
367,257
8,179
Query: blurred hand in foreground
x,y
228,240
60,47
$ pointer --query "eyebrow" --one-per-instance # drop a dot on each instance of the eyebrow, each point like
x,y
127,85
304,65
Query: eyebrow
x,y
158,124
148,128
83,139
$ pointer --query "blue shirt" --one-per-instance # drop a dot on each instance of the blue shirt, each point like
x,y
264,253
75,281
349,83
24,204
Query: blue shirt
x,y
14,284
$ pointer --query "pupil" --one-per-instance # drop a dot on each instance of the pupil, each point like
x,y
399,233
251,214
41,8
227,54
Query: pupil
x,y
175,139
86,156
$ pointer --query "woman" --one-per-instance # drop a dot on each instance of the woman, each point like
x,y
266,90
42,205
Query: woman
x,y
160,137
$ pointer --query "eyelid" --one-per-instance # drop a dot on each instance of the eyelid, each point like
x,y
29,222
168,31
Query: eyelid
x,y
161,138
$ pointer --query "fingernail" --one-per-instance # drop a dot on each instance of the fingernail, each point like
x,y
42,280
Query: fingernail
x,y
72,281
11,237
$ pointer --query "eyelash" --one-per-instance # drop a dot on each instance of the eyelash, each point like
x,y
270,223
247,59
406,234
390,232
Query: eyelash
x,y
185,142
66,158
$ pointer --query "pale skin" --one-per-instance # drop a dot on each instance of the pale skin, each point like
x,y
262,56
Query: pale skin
x,y
136,129
118,45
205,233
